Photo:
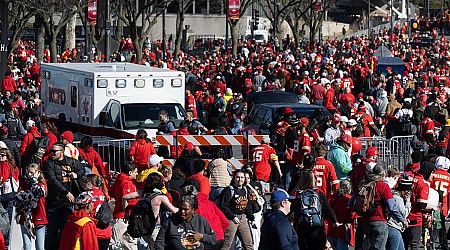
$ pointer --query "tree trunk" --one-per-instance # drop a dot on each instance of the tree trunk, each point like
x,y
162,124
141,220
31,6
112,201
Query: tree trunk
x,y
280,36
40,39
119,28
53,48
179,32
69,33
234,38
138,44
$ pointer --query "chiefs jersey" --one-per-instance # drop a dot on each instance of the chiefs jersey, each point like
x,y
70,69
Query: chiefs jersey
x,y
419,194
325,176
346,83
302,146
440,181
261,161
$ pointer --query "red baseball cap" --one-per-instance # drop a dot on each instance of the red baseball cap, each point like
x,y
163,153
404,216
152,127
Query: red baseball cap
x,y
346,138
388,68
304,121
372,151
288,110
189,146
336,119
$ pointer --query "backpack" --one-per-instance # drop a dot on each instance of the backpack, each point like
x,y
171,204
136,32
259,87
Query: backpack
x,y
4,221
220,131
364,203
141,221
359,129
103,215
36,150
13,126
310,208
406,124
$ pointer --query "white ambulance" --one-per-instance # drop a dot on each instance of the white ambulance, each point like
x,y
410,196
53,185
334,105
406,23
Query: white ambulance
x,y
111,100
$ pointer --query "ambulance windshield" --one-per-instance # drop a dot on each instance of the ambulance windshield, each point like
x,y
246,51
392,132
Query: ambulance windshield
x,y
145,115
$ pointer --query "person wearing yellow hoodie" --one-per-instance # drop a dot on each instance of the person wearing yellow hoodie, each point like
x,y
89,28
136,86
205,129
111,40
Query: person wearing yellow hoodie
x,y
228,96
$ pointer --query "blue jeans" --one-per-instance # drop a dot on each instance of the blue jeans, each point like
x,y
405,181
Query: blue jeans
x,y
338,244
40,237
394,240
215,193
376,234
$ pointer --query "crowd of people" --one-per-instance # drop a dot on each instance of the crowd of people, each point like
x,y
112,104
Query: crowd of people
x,y
327,193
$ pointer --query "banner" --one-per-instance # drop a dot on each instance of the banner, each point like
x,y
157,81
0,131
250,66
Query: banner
x,y
234,7
92,12
317,6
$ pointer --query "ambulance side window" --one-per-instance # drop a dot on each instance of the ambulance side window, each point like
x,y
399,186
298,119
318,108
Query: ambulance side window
x,y
114,115
73,96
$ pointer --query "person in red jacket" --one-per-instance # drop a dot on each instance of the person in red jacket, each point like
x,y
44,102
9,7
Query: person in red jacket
x,y
32,133
181,131
191,103
33,220
93,185
141,149
93,158
125,193
8,83
199,168
329,99
49,130
79,231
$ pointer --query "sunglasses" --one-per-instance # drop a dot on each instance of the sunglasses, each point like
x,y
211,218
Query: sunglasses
x,y
53,151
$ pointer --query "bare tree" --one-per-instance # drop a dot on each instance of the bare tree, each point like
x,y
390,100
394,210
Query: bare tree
x,y
146,12
55,14
277,11
183,5
19,16
234,24
302,16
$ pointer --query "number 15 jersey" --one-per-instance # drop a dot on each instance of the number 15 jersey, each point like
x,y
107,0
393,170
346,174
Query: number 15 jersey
x,y
440,181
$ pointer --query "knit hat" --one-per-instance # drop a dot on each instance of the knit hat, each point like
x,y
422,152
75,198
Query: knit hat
x,y
67,135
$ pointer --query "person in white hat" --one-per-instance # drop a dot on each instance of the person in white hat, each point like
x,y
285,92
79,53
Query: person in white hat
x,y
440,181
28,138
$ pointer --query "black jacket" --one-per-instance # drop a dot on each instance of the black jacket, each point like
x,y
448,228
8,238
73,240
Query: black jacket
x,y
58,183
13,149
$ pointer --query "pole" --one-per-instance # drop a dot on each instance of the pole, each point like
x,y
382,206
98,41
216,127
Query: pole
x,y
164,35
274,19
87,45
368,20
408,19
311,36
391,20
226,23
3,38
107,31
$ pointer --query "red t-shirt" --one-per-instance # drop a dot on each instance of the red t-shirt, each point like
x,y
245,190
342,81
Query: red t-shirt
x,y
261,160
419,195
440,181
302,146
382,193
325,176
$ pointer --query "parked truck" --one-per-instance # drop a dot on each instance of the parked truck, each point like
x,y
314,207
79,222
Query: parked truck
x,y
111,100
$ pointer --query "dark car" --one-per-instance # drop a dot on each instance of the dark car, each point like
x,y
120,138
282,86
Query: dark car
x,y
270,96
264,116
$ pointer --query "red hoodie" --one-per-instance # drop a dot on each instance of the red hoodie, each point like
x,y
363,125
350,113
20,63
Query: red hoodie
x,y
28,138
208,209
122,186
51,140
173,151
94,160
141,151
79,229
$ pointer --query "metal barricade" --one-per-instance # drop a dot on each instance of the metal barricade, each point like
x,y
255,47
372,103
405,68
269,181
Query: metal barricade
x,y
115,152
395,151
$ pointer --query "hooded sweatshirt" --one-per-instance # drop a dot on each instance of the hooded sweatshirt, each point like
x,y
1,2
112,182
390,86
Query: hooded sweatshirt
x,y
28,138
141,151
212,214
340,160
94,159
173,233
123,185
79,230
